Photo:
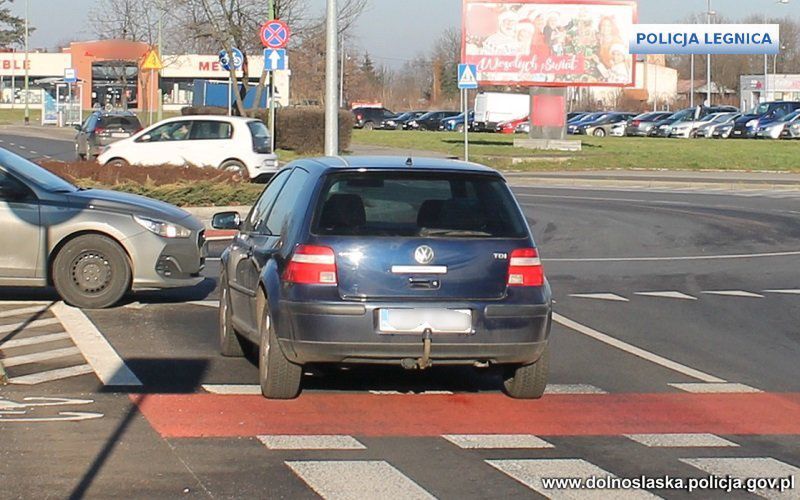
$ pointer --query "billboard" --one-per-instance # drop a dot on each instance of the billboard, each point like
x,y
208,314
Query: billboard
x,y
549,42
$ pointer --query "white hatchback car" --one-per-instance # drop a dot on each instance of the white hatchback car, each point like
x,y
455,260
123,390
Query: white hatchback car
x,y
236,144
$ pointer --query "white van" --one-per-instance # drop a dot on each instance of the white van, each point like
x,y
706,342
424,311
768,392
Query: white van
x,y
492,108
236,144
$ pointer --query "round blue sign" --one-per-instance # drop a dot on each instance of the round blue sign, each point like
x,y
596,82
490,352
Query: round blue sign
x,y
225,60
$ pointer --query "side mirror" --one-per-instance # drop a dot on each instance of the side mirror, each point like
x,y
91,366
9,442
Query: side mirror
x,y
145,138
226,220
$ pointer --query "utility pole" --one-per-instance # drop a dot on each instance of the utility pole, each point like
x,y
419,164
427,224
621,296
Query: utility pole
x,y
341,72
161,7
331,85
25,64
709,13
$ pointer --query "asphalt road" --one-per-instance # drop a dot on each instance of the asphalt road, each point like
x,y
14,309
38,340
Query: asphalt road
x,y
36,143
674,354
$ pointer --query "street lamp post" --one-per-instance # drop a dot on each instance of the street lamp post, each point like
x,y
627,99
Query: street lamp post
x,y
25,64
709,13
331,84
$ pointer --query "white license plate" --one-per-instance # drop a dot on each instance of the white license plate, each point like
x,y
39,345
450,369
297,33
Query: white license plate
x,y
120,134
415,321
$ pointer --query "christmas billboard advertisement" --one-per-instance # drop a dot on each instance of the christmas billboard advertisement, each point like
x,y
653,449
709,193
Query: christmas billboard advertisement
x,y
549,42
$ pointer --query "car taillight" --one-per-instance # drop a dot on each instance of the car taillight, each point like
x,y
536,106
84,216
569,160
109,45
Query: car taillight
x,y
525,268
359,117
311,265
99,130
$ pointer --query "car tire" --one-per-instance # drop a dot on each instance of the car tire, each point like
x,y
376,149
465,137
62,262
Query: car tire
x,y
599,133
235,167
528,381
369,126
118,163
231,345
279,378
91,272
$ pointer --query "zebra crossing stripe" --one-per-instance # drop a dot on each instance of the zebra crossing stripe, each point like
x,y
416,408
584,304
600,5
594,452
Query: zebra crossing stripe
x,y
33,324
39,339
319,442
667,295
497,441
41,356
715,388
19,312
573,389
531,473
734,293
599,296
357,479
681,440
792,292
51,375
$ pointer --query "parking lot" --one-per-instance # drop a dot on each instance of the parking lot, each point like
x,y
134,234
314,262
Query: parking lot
x,y
674,354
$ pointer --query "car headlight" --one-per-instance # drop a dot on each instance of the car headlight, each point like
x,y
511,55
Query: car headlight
x,y
391,123
162,228
752,123
413,123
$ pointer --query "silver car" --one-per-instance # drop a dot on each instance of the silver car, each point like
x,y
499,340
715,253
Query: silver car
x,y
92,245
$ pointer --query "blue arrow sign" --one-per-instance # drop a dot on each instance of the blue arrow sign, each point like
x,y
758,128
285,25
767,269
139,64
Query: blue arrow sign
x,y
225,60
467,76
275,59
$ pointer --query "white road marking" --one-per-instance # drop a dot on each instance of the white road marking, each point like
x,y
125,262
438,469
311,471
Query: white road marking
x,y
51,375
357,480
748,467
573,389
667,259
411,393
36,357
599,296
715,388
21,147
39,339
34,152
19,312
205,303
237,389
26,302
734,293
109,367
64,416
531,471
135,305
681,440
636,351
32,324
793,292
321,442
667,295
497,441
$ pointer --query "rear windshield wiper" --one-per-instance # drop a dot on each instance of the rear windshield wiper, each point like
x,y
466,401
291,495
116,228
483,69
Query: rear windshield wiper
x,y
451,232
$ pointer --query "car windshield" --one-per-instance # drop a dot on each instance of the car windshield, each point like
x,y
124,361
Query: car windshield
x,y
790,117
722,117
760,109
421,204
404,116
34,173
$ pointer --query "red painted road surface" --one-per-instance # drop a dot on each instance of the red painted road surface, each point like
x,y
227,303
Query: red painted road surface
x,y
212,415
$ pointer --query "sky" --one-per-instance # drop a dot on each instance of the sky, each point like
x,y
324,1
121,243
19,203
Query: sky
x,y
393,31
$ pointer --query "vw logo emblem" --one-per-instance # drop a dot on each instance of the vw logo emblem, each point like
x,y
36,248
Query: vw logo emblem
x,y
423,254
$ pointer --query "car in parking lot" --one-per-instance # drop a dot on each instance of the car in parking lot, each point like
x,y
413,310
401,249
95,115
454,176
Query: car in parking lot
x,y
602,125
709,129
430,120
102,128
510,127
574,125
456,123
371,118
400,122
747,125
382,260
92,245
640,125
779,128
235,144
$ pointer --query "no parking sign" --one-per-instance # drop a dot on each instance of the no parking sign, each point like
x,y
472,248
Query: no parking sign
x,y
275,34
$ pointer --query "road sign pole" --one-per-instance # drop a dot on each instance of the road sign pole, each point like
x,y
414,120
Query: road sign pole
x,y
465,98
331,83
230,89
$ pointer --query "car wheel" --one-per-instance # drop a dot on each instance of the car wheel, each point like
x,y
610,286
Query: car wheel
x,y
117,163
91,271
237,168
599,132
230,343
528,381
279,378
369,126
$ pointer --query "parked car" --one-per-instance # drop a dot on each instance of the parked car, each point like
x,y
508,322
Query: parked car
x,y
765,113
779,128
400,122
456,123
510,127
102,128
523,128
572,128
708,130
574,114
92,245
641,125
371,118
236,144
430,120
385,260
687,128
492,108
618,129
723,131
601,126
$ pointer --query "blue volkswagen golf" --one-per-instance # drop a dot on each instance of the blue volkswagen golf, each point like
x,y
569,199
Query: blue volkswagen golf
x,y
414,262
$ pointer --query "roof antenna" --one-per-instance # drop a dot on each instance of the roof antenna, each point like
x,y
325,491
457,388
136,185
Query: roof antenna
x,y
409,163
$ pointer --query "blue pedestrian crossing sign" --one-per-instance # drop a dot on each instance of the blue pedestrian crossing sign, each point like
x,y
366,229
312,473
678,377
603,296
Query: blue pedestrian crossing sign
x,y
467,76
275,59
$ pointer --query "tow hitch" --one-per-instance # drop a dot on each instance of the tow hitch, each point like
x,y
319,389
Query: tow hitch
x,y
425,361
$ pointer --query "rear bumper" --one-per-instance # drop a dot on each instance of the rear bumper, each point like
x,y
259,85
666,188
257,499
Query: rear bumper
x,y
340,332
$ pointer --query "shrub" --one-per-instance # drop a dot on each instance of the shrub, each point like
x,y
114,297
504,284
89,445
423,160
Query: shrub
x,y
203,110
154,176
302,129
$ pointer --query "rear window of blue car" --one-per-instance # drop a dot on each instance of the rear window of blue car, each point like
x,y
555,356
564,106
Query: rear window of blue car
x,y
417,204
